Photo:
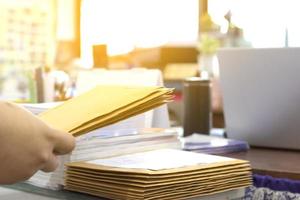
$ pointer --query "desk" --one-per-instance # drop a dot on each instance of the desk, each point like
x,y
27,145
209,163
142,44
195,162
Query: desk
x,y
276,173
23,191
276,163
272,162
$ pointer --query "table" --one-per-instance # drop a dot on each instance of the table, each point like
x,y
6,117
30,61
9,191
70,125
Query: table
x,y
276,173
274,162
24,191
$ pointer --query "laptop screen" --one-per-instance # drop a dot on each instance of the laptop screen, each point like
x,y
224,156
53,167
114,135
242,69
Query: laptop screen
x,y
261,95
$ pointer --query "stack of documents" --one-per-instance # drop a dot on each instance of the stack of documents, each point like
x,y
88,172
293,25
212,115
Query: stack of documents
x,y
213,144
104,105
159,174
101,146
107,145
100,109
37,108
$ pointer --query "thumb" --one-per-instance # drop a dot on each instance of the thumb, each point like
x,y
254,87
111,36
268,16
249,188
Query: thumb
x,y
63,142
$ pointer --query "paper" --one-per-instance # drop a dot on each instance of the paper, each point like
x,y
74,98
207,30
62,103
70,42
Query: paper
x,y
159,160
87,79
213,145
161,174
104,105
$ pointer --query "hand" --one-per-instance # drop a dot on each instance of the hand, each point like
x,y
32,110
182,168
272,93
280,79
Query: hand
x,y
27,144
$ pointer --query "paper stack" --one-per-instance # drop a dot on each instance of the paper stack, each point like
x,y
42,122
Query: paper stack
x,y
88,79
104,105
37,108
97,146
160,174
213,144
101,146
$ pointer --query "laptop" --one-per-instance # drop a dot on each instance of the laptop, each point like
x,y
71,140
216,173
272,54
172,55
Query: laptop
x,y
261,91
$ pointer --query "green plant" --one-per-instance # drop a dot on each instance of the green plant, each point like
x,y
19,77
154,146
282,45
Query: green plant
x,y
208,44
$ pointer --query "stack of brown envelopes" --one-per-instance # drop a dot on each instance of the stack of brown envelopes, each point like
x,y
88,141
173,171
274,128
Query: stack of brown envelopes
x,y
160,174
104,105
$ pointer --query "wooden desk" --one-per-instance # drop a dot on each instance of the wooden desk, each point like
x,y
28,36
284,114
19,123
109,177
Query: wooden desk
x,y
273,162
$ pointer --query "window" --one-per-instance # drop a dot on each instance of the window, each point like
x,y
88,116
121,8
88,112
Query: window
x,y
266,23
27,41
126,24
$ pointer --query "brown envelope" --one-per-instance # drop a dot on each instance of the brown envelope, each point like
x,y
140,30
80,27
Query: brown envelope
x,y
103,106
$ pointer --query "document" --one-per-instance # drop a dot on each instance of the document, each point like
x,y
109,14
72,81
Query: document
x,y
156,160
158,174
104,105
213,145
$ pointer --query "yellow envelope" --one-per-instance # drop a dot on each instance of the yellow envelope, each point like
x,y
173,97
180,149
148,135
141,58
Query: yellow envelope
x,y
103,106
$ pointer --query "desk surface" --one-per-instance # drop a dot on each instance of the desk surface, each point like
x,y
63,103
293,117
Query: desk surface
x,y
276,163
23,191
273,162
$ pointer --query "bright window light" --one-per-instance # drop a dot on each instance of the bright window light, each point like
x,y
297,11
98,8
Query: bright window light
x,y
127,24
266,23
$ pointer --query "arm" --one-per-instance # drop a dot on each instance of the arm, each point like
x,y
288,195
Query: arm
x,y
27,144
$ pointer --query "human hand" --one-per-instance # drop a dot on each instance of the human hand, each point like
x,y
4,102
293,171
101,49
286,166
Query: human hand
x,y
27,144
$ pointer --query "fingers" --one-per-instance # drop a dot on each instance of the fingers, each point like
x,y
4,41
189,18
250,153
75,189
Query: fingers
x,y
63,142
51,164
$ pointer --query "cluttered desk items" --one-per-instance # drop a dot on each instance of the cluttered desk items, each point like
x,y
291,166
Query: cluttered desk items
x,y
137,165
158,174
104,105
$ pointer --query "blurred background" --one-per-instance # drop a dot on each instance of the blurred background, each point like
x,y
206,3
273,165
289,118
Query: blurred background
x,y
44,45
